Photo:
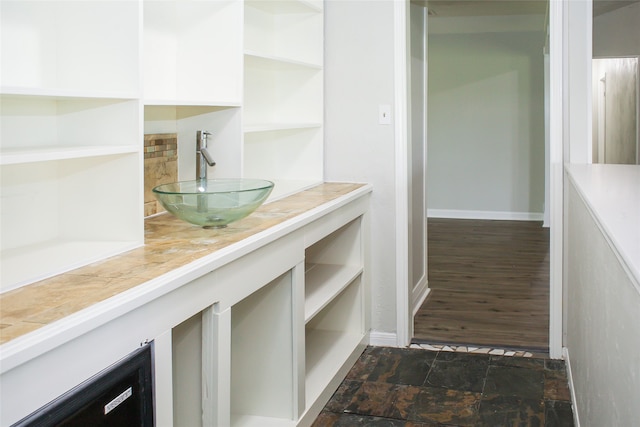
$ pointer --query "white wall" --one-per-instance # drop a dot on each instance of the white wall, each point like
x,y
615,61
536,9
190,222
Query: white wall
x,y
617,33
359,60
486,124
602,325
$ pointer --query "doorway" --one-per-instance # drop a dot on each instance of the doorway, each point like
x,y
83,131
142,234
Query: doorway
x,y
486,170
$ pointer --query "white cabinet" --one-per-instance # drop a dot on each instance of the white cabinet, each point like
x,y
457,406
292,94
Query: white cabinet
x,y
335,322
283,93
82,81
259,333
71,153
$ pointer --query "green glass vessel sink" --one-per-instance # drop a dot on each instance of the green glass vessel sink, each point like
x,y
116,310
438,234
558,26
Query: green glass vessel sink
x,y
213,203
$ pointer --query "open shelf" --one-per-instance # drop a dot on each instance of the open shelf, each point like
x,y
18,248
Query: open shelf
x,y
279,61
299,158
62,214
323,282
69,94
256,421
342,249
331,337
288,29
185,45
326,353
71,45
17,155
284,188
54,257
191,103
283,93
286,6
262,371
57,125
277,92
186,375
334,307
269,127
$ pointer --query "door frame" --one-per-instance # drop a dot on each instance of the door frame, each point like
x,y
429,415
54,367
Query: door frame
x,y
404,313
558,152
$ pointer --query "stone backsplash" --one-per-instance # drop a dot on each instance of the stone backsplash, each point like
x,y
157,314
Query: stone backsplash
x,y
160,167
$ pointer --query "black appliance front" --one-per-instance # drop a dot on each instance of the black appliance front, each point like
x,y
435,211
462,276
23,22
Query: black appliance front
x,y
119,396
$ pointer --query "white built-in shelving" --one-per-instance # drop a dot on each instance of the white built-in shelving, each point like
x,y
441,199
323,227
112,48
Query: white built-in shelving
x,y
71,155
334,306
192,53
82,81
332,337
192,79
283,93
71,48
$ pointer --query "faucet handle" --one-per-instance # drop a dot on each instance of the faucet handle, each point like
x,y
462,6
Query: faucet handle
x,y
207,156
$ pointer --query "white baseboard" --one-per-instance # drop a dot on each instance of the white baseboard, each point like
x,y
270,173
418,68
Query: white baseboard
x,y
490,215
567,361
383,339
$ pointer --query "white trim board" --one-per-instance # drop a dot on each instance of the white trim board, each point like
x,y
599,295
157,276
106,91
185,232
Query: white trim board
x,y
490,215
383,339
404,320
567,361
419,295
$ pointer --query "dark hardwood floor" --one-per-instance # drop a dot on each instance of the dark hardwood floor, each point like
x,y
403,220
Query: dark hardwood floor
x,y
489,284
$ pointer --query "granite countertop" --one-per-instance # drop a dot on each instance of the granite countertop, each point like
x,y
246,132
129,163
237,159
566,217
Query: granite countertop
x,y
612,194
169,244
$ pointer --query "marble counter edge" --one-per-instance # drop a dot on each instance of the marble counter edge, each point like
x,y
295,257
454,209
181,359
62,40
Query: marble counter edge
x,y
20,350
618,233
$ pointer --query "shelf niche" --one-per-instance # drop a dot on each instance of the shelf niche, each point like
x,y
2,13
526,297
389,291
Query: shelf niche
x,y
331,337
334,309
63,214
192,52
70,46
262,368
286,29
36,127
296,165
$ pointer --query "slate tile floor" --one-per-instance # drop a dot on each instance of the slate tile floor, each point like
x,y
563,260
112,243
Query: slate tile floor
x,y
420,388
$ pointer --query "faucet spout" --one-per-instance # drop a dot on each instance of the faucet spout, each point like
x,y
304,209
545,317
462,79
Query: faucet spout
x,y
203,157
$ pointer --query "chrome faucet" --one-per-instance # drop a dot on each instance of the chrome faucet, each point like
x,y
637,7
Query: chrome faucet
x,y
203,157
